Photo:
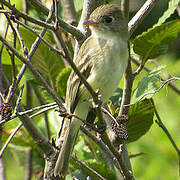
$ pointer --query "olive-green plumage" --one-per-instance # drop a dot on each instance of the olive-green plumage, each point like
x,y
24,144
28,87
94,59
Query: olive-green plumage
x,y
102,59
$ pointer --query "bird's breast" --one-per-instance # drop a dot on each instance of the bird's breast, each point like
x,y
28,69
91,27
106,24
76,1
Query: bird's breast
x,y
108,71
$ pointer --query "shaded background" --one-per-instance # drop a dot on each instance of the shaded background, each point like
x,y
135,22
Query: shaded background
x,y
159,160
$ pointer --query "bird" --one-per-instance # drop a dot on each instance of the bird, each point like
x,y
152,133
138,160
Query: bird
x,y
102,59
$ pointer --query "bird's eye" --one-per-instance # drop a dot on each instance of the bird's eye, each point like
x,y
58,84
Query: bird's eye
x,y
108,19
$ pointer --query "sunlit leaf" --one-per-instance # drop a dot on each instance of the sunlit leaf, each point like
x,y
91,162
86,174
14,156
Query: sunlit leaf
x,y
140,119
150,43
147,86
61,81
173,4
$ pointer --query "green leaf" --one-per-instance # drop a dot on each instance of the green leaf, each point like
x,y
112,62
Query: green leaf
x,y
37,84
61,81
149,44
5,57
173,4
99,167
22,138
102,169
48,62
140,119
147,85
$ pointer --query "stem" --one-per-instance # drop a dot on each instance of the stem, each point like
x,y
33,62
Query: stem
x,y
140,15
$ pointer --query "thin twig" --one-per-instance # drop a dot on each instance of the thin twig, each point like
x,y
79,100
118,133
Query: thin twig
x,y
40,140
21,40
18,100
139,69
45,109
18,127
160,123
40,36
85,166
18,13
33,70
52,105
67,27
10,138
27,59
5,11
155,91
136,155
147,69
56,4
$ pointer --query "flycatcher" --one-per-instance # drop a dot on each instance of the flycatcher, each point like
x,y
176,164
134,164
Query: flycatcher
x,y
102,59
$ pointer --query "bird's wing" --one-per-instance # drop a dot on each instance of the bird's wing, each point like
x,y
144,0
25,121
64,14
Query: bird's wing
x,y
85,66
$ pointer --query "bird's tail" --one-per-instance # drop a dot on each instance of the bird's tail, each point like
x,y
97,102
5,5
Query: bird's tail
x,y
69,134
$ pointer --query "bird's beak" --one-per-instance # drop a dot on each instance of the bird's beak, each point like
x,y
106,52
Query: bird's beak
x,y
90,23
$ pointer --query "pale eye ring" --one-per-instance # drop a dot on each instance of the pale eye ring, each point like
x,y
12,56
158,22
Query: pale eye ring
x,y
108,19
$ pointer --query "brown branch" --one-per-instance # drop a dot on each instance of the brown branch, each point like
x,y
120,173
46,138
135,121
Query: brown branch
x,y
101,144
88,7
28,167
33,49
18,13
67,27
10,138
128,82
140,15
125,8
40,36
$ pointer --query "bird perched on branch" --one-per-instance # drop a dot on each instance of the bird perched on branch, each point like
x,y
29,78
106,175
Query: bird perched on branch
x,y
102,59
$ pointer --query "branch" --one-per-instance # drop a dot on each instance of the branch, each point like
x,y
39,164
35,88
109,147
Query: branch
x,y
155,91
88,7
125,8
18,13
10,138
45,106
128,82
33,49
101,144
140,15
67,27
28,167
